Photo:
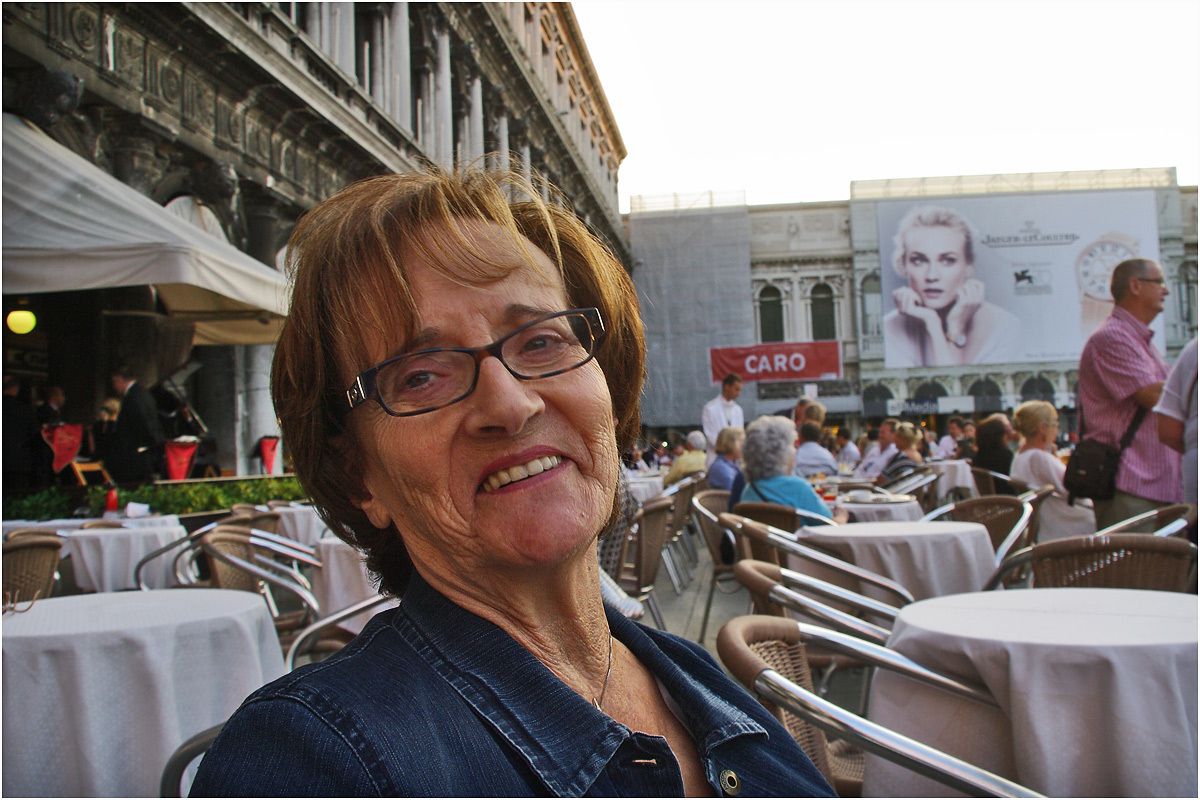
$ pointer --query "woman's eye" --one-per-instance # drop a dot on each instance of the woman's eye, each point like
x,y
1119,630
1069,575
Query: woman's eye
x,y
949,261
917,259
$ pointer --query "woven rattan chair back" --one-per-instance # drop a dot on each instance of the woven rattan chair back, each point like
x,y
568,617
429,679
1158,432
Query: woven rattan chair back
x,y
242,509
234,540
29,565
773,514
682,509
261,520
1148,522
759,578
997,513
1116,561
651,536
708,505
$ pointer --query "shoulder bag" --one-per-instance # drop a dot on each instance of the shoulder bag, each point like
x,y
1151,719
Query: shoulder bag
x,y
1092,468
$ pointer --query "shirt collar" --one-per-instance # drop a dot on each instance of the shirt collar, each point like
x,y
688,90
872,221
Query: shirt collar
x,y
1124,316
563,737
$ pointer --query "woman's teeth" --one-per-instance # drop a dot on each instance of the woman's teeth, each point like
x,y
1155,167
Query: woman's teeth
x,y
520,472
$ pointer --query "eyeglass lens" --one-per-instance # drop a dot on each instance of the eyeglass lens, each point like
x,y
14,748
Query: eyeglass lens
x,y
425,381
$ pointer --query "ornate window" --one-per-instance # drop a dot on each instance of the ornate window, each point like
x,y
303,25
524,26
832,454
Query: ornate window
x,y
872,305
1037,388
824,322
770,315
987,396
1187,296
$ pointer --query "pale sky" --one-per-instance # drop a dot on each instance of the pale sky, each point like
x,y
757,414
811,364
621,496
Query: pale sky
x,y
790,101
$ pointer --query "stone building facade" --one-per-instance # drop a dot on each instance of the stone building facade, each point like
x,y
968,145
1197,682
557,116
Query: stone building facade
x,y
240,116
811,271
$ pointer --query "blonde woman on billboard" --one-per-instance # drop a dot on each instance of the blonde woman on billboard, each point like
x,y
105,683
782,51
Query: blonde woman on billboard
x,y
941,317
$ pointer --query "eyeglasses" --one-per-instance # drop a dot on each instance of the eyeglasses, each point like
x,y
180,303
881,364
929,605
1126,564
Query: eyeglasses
x,y
426,380
1159,281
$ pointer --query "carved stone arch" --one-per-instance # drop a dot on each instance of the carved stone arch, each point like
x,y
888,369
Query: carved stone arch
x,y
1037,387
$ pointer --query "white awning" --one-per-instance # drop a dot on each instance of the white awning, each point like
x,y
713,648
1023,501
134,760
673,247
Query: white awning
x,y
69,225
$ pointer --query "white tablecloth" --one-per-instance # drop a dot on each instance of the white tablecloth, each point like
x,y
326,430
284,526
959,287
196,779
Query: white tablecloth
x,y
1097,691
77,522
342,581
953,474
301,524
884,512
105,558
929,559
644,487
99,690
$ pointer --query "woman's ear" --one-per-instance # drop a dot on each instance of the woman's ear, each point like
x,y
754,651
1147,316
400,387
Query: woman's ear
x,y
361,493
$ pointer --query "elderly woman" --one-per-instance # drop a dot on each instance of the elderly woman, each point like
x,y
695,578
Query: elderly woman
x,y
769,455
724,470
941,317
457,377
908,455
1037,465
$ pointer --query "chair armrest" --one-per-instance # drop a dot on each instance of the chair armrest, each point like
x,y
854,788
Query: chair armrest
x,y
909,753
186,753
797,580
825,613
333,619
284,541
787,542
1011,564
284,550
272,578
192,538
1015,534
940,511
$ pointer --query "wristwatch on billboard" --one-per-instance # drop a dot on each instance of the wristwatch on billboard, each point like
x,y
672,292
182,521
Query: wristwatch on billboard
x,y
1093,270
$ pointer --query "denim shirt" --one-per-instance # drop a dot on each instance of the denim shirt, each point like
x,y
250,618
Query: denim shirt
x,y
433,700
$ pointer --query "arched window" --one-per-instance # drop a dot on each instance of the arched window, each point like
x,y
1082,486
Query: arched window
x,y
986,394
1038,388
1187,295
872,306
824,325
770,315
929,390
875,399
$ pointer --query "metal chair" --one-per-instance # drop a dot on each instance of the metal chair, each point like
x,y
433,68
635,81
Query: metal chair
x,y
785,518
706,507
1157,519
921,483
647,547
768,655
1006,519
676,556
316,637
774,542
171,783
987,481
30,563
1112,561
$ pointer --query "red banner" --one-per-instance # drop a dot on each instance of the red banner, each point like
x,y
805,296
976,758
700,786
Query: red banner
x,y
779,361
266,450
180,456
65,440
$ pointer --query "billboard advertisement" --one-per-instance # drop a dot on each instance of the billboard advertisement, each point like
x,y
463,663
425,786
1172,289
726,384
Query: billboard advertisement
x,y
1008,278
778,361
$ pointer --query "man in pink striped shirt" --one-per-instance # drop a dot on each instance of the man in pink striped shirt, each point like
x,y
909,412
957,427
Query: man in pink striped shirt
x,y
1120,371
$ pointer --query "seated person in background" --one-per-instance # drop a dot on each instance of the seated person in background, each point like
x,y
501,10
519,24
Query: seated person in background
x,y
906,458
966,443
877,457
724,470
633,459
769,455
811,457
948,444
1037,465
691,461
847,451
992,452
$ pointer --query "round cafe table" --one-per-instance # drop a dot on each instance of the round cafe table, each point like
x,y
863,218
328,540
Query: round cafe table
x,y
884,509
953,474
929,559
645,486
301,524
104,558
1096,691
100,689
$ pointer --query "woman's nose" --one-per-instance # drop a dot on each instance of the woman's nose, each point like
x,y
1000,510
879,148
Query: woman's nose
x,y
501,403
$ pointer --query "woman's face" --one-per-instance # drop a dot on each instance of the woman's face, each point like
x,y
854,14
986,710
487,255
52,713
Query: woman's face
x,y
429,473
935,264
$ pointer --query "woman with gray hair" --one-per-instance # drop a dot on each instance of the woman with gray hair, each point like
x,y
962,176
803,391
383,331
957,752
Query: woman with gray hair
x,y
768,456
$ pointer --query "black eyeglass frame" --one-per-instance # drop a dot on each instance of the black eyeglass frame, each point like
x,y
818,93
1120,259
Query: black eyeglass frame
x,y
365,389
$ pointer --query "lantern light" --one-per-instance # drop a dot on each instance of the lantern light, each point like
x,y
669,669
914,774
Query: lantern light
x,y
21,320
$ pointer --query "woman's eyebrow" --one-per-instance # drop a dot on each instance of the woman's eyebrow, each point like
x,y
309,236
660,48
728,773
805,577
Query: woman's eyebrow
x,y
514,314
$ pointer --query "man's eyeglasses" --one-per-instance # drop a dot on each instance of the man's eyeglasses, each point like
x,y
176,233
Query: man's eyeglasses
x,y
1159,281
426,380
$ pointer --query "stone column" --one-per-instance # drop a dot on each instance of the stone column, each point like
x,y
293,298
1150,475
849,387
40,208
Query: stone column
x,y
401,72
379,72
258,419
502,157
345,36
444,104
475,123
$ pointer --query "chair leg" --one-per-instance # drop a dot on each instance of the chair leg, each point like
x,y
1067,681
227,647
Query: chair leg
x,y
682,561
712,587
652,602
689,547
668,561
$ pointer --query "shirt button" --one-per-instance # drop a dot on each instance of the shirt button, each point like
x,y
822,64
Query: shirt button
x,y
730,784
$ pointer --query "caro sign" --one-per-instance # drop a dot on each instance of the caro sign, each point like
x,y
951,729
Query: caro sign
x,y
780,361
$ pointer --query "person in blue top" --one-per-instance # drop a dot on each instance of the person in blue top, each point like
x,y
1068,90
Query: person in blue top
x,y
724,469
769,455
457,377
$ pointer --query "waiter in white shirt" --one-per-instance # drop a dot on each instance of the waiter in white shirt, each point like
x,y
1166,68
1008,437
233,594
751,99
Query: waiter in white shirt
x,y
722,412
948,445
875,460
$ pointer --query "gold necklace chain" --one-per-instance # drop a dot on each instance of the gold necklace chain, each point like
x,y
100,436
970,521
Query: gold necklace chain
x,y
603,689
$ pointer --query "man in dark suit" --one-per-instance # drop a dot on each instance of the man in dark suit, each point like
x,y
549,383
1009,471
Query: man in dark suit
x,y
21,439
138,436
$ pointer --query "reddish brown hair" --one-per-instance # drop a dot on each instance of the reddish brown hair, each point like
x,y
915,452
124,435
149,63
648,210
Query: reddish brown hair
x,y
346,259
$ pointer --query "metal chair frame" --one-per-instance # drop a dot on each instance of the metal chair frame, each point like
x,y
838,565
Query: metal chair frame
x,y
1015,533
313,631
1105,550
